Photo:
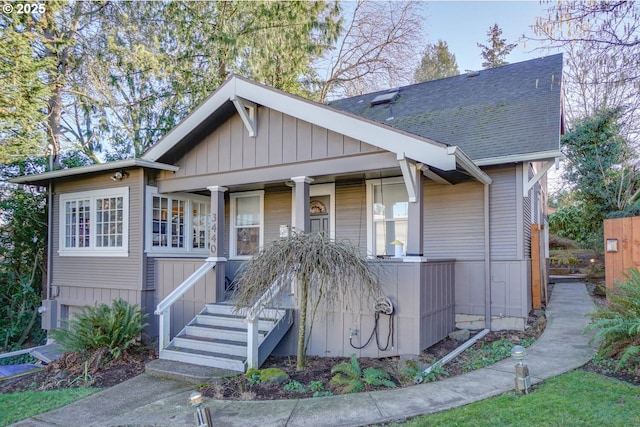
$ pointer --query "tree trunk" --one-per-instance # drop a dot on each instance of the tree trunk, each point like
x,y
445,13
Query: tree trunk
x,y
301,359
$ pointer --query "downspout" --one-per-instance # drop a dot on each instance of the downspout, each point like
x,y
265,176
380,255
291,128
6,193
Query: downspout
x,y
49,227
487,260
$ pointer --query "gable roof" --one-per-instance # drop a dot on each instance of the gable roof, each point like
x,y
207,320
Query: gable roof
x,y
508,113
220,106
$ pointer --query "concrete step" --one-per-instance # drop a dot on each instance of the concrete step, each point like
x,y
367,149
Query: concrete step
x,y
187,372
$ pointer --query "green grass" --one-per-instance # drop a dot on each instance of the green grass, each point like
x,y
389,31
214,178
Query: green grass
x,y
25,404
575,399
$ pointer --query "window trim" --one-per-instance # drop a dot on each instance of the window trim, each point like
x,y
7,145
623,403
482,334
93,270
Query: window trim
x,y
232,222
371,183
188,199
93,249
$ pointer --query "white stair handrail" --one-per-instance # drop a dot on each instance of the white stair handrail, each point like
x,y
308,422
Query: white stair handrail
x,y
163,308
252,319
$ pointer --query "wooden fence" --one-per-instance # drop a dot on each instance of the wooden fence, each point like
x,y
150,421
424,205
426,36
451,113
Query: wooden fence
x,y
539,278
621,247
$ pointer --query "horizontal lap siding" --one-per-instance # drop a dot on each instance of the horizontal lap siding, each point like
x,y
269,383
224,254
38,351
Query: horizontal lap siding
x,y
351,214
277,212
280,139
504,214
453,221
117,273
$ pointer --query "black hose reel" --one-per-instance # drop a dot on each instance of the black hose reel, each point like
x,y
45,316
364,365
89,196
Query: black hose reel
x,y
381,306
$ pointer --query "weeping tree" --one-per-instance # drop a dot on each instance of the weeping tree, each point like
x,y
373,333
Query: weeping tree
x,y
325,270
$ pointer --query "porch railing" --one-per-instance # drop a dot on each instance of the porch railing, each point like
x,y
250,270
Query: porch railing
x,y
164,307
252,319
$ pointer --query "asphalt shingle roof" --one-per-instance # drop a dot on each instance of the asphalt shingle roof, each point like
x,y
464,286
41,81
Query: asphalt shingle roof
x,y
504,111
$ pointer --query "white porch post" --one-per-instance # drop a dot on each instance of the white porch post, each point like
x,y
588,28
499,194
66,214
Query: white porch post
x,y
216,238
252,343
415,244
302,221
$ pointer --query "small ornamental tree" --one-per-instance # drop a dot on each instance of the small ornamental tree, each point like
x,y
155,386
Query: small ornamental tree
x,y
326,270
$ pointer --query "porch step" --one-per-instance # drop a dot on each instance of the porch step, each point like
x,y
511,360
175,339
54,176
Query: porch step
x,y
217,337
204,358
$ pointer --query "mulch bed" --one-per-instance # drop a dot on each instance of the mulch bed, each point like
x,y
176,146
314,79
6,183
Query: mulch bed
x,y
74,371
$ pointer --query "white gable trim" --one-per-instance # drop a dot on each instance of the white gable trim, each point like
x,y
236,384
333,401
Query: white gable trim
x,y
384,137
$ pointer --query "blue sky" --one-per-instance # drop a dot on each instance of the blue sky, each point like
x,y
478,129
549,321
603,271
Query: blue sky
x,y
463,24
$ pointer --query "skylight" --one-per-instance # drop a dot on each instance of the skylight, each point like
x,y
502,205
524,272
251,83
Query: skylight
x,y
384,98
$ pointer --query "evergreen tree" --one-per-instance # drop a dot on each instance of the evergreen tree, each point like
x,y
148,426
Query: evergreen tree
x,y
437,63
601,167
23,94
497,49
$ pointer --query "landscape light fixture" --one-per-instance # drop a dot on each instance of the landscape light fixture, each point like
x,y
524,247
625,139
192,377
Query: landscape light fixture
x,y
202,415
522,381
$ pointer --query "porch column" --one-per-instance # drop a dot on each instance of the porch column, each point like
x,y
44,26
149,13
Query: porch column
x,y
302,220
415,238
216,238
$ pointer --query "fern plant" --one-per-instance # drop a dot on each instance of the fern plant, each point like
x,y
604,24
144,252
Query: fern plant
x,y
617,323
114,328
350,377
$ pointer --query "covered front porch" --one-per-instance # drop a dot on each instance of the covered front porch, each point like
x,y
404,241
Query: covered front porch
x,y
371,211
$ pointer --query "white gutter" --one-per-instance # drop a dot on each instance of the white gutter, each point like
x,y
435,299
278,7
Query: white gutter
x,y
517,158
468,165
100,167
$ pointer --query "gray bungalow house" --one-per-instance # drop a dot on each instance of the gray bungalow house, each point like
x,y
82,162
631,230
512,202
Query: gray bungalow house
x,y
440,180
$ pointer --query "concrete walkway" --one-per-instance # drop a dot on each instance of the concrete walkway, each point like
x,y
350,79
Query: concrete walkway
x,y
149,401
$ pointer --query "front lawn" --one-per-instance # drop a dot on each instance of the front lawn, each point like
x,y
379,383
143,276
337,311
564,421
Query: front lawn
x,y
575,399
24,404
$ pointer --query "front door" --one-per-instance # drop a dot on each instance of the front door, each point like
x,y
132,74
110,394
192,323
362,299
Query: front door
x,y
319,214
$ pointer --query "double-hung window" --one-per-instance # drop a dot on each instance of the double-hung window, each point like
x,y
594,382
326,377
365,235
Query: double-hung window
x,y
179,223
94,223
247,220
387,214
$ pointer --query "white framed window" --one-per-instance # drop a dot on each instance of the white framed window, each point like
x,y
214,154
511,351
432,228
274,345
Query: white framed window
x,y
247,220
387,215
177,223
95,223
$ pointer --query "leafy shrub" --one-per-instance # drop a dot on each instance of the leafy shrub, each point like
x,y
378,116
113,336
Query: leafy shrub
x,y
617,324
488,354
295,387
413,374
101,327
350,377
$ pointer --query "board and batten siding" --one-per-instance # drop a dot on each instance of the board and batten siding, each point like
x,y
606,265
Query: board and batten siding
x,y
87,280
170,273
423,299
280,139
